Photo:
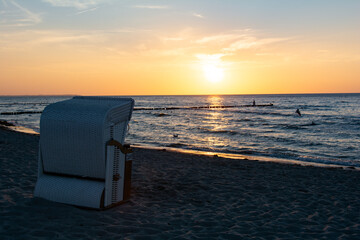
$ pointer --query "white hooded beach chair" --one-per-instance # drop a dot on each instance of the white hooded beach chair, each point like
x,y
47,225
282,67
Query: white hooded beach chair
x,y
82,160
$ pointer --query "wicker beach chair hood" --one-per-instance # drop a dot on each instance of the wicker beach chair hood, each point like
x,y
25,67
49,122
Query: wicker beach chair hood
x,y
76,163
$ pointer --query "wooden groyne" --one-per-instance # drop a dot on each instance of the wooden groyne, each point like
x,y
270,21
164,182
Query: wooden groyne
x,y
160,108
20,112
202,107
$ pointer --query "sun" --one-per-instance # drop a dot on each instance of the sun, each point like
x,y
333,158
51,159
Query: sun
x,y
213,73
212,67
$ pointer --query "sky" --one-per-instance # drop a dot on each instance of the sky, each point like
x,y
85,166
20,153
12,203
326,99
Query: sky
x,y
179,47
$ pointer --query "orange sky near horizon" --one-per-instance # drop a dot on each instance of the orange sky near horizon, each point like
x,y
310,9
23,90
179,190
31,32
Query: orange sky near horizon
x,y
150,56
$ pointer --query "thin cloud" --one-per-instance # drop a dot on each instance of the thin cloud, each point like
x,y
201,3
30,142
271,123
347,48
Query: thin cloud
x,y
210,57
15,15
198,15
219,38
65,39
31,39
87,10
78,4
151,6
38,38
172,39
228,47
251,42
232,42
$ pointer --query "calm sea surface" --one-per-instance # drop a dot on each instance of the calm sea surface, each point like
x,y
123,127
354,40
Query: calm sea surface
x,y
327,132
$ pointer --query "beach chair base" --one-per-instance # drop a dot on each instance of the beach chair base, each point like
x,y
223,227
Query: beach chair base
x,y
89,192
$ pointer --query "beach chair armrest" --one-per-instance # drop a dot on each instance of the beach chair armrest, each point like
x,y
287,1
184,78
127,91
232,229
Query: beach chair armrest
x,y
123,148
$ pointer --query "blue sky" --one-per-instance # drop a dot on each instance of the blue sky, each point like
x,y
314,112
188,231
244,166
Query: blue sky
x,y
261,14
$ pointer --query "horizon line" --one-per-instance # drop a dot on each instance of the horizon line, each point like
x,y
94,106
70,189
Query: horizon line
x,y
148,95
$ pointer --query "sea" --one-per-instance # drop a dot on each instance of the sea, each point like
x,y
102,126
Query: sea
x,y
327,131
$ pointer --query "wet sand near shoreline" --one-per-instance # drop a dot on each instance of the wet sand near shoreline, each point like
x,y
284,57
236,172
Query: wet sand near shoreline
x,y
186,196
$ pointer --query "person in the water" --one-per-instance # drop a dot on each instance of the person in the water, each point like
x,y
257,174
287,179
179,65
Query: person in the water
x,y
298,112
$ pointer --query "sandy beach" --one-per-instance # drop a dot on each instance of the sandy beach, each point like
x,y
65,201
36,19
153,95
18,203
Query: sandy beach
x,y
186,196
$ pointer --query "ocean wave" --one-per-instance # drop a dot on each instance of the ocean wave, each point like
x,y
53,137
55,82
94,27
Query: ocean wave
x,y
6,123
267,113
242,120
177,145
24,103
162,114
214,131
20,112
355,122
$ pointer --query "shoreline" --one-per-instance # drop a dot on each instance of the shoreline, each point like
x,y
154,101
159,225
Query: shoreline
x,y
7,126
11,127
245,157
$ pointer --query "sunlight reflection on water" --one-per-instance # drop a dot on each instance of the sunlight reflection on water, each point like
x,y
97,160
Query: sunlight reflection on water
x,y
327,131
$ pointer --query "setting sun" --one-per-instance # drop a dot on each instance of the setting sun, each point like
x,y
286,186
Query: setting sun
x,y
212,67
213,73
